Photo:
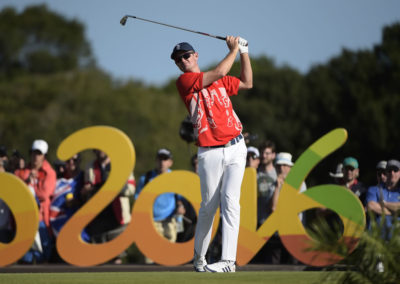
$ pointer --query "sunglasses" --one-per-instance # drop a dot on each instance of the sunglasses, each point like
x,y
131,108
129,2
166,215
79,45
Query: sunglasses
x,y
185,56
392,170
381,172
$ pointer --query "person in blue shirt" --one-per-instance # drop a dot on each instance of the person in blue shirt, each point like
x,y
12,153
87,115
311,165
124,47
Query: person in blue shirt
x,y
384,198
167,205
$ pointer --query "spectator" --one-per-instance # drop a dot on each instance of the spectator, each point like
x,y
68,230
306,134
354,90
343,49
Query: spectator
x,y
278,253
381,176
253,157
266,178
116,216
283,165
41,180
351,173
3,157
190,217
17,164
2,166
7,231
41,177
384,199
338,174
166,205
59,167
66,200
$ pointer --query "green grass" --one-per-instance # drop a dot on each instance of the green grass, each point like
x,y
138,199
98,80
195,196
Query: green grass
x,y
269,277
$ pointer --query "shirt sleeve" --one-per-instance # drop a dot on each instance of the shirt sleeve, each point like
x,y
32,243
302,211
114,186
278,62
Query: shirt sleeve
x,y
46,189
372,194
140,186
189,83
231,85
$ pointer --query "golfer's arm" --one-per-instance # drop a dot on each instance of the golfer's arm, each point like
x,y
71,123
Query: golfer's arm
x,y
246,72
221,70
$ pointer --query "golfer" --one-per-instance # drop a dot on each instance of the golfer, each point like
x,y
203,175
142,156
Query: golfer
x,y
222,150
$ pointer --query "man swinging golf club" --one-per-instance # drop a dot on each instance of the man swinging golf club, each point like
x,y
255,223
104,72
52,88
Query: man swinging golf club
x,y
222,150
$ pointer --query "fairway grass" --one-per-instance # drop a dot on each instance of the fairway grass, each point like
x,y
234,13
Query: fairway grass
x,y
266,277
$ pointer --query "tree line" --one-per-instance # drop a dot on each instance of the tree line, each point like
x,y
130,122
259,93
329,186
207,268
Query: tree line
x,y
50,86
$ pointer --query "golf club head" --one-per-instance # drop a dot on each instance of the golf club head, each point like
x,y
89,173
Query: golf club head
x,y
123,20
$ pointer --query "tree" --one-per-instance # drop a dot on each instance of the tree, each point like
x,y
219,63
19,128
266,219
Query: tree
x,y
41,41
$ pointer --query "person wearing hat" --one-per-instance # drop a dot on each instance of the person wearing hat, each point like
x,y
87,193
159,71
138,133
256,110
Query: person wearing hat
x,y
41,177
385,198
381,172
278,253
253,157
222,150
351,172
283,164
166,205
41,180
338,174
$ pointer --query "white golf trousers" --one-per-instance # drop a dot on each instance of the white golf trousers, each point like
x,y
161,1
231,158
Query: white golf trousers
x,y
221,173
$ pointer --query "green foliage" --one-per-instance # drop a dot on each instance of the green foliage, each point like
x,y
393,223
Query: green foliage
x,y
372,251
41,41
50,87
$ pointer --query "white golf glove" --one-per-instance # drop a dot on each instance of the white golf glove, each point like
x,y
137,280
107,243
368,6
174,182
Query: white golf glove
x,y
243,46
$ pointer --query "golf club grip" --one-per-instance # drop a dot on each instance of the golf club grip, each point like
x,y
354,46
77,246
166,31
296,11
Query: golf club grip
x,y
221,37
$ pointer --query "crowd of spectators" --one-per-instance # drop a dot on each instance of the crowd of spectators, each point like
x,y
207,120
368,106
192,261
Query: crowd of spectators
x,y
61,188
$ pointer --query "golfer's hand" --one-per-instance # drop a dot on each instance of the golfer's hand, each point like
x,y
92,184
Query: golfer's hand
x,y
233,43
243,46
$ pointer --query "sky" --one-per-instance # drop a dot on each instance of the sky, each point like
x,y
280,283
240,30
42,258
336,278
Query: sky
x,y
297,33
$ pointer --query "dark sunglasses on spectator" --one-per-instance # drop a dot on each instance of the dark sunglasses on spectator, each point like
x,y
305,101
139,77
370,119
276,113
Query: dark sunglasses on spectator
x,y
381,172
392,170
185,56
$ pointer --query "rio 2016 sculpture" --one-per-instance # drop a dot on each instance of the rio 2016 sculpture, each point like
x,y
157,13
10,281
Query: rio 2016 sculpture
x,y
120,149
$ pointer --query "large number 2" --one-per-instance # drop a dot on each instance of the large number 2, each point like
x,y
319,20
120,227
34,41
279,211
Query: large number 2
x,y
119,148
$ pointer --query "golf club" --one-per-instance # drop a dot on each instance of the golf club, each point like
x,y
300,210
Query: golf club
x,y
125,18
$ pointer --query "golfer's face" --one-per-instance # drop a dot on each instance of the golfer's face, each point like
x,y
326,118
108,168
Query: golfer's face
x,y
186,60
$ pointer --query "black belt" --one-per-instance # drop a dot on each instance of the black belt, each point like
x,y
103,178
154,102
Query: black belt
x,y
230,143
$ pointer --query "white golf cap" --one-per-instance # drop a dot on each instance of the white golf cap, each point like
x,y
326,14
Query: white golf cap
x,y
284,159
254,150
40,145
381,165
338,173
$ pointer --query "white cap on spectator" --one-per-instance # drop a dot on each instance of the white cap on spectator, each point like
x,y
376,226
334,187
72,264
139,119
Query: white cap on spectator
x,y
40,145
381,165
254,150
284,159
338,173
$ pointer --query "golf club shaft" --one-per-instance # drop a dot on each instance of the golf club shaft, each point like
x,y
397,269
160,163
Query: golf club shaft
x,y
124,19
